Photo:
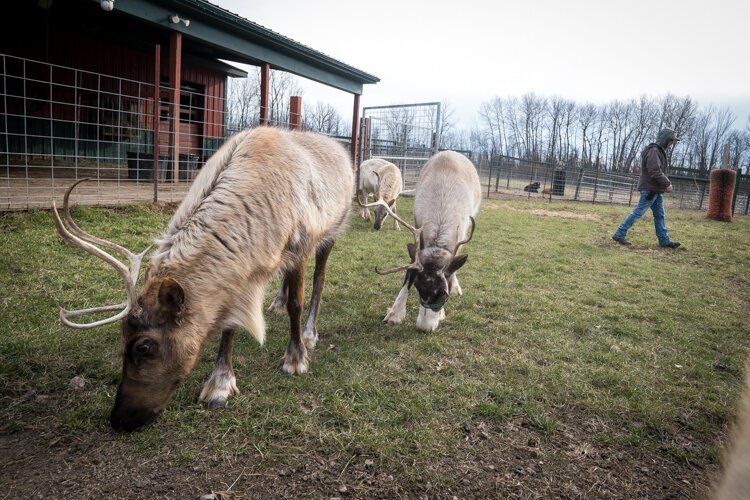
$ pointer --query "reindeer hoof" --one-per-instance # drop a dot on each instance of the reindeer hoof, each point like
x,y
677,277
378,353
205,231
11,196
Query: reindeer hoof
x,y
295,362
310,339
394,318
217,390
294,368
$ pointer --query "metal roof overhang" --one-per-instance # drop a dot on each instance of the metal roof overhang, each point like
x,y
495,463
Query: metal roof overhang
x,y
230,37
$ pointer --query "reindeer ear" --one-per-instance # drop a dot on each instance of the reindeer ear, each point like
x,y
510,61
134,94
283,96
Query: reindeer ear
x,y
456,264
171,297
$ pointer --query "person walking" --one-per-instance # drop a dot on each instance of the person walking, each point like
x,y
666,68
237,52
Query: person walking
x,y
652,184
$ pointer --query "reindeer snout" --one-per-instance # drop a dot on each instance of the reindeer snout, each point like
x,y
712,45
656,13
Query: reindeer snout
x,y
125,417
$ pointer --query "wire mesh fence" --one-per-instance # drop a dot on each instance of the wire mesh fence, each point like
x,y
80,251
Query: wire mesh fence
x,y
143,141
512,176
405,135
135,140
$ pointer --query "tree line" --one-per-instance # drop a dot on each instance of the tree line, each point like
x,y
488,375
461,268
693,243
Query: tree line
x,y
532,127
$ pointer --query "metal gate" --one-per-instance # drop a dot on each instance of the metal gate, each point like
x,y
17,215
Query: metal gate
x,y
406,135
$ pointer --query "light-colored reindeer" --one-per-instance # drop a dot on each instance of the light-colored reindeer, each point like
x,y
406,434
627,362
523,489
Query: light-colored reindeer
x,y
735,481
260,205
446,200
382,179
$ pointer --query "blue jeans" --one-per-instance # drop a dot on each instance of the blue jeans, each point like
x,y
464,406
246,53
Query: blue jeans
x,y
656,204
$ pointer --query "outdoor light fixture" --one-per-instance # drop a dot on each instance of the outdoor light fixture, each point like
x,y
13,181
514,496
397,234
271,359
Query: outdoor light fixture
x,y
107,5
175,19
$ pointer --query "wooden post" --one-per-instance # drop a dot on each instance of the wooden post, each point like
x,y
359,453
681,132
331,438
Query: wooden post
x,y
175,68
155,117
355,129
295,112
265,77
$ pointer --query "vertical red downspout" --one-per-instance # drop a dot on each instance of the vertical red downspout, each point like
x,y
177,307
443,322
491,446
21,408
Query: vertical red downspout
x,y
265,76
155,117
355,129
175,66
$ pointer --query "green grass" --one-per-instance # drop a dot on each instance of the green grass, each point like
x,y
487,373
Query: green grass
x,y
557,325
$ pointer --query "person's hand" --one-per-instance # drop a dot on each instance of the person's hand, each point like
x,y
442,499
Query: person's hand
x,y
669,189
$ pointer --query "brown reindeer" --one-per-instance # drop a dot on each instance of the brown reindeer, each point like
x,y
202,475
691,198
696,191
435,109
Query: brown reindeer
x,y
261,204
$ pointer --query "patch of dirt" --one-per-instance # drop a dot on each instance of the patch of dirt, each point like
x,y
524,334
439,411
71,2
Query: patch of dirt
x,y
505,459
546,213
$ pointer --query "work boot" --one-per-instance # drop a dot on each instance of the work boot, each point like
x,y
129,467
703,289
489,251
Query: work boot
x,y
622,241
672,244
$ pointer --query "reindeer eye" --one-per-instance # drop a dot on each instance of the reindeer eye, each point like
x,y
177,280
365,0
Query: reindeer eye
x,y
144,347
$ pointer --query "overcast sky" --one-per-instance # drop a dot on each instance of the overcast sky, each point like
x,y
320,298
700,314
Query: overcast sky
x,y
466,52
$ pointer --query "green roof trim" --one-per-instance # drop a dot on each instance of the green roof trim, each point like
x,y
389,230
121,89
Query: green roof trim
x,y
233,38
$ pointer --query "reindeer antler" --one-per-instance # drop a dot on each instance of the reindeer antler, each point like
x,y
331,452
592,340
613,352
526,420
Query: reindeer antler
x,y
76,236
460,243
415,231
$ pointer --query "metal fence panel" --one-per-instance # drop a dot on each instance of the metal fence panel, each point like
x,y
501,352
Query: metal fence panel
x,y
406,135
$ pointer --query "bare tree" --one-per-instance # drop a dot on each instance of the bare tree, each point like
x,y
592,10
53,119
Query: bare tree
x,y
322,118
724,120
243,103
492,114
532,111
282,86
588,115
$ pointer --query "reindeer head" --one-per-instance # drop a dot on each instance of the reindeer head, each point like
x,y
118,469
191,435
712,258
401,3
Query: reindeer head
x,y
158,349
381,214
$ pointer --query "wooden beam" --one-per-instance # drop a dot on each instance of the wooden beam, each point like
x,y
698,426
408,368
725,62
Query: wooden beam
x,y
155,116
265,77
355,129
175,68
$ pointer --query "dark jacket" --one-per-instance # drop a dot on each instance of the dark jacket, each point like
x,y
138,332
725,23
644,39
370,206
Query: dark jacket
x,y
653,169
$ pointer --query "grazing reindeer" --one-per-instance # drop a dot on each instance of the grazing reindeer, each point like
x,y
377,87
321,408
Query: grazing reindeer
x,y
386,186
446,200
261,204
382,179
735,483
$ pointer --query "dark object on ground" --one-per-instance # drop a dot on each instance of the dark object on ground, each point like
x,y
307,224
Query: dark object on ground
x,y
673,245
622,241
720,194
532,188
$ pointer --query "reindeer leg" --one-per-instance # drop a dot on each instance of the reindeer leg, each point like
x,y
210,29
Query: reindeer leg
x,y
310,335
296,359
398,228
397,312
222,383
453,286
279,302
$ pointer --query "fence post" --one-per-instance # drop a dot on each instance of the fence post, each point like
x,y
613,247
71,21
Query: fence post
x,y
736,189
578,183
295,112
632,184
497,176
596,182
489,181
